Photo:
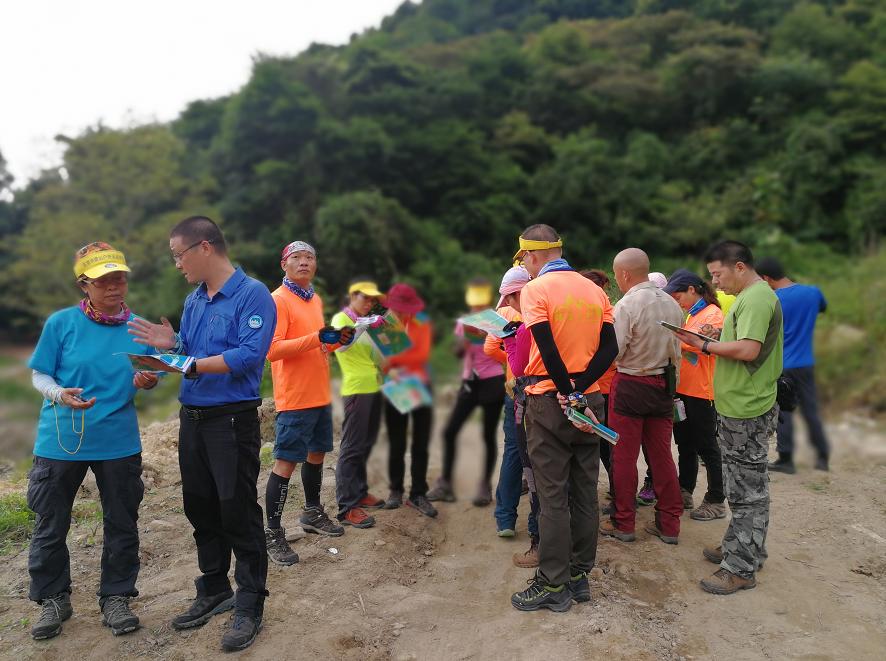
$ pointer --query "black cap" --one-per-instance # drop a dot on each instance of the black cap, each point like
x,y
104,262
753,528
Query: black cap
x,y
680,280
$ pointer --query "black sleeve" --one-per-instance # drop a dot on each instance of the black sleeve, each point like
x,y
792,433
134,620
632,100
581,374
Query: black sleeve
x,y
550,356
601,361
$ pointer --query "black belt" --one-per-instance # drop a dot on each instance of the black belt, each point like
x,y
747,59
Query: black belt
x,y
217,411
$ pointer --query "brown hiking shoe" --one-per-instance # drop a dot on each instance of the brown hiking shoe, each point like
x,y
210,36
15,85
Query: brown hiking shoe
x,y
708,511
725,582
609,529
528,560
371,502
653,529
357,518
713,554
688,503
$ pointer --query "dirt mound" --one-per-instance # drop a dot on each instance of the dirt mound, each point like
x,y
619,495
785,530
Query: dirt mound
x,y
420,588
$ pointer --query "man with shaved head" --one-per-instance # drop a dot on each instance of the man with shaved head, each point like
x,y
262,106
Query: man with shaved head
x,y
573,344
641,405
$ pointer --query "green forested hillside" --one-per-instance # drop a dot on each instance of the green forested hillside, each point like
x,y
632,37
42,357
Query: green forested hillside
x,y
421,149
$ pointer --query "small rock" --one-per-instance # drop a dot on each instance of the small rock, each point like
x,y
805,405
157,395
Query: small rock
x,y
379,542
396,632
158,525
429,553
596,574
399,625
294,534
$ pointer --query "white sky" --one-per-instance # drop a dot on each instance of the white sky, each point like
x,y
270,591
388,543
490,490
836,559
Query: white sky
x,y
68,65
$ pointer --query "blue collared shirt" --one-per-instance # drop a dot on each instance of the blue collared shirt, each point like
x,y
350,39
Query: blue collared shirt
x,y
237,323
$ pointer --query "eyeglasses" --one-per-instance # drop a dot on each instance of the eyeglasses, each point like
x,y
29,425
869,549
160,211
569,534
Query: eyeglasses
x,y
104,283
177,256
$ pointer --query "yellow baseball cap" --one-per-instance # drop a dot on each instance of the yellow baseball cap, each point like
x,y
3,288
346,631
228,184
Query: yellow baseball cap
x,y
368,288
98,259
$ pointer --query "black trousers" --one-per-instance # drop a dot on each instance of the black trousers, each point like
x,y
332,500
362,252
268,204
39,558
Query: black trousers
x,y
468,399
359,432
696,436
605,447
805,380
219,463
397,423
51,491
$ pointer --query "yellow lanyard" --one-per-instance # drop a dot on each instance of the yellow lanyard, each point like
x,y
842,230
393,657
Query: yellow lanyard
x,y
73,428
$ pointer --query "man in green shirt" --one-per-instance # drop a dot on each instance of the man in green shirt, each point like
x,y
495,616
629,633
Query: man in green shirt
x,y
745,385
362,400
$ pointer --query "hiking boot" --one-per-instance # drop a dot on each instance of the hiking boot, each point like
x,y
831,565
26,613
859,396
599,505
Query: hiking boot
x,y
609,529
783,465
117,616
242,633
579,587
688,503
538,596
54,610
528,560
524,487
203,608
507,532
422,505
314,519
279,550
357,518
821,464
371,502
443,492
484,495
608,509
725,582
395,499
653,529
708,511
647,494
713,553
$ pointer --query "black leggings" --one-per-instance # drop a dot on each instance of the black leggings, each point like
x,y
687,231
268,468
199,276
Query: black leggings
x,y
696,436
465,404
605,447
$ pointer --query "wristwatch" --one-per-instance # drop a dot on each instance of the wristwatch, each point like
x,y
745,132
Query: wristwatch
x,y
192,372
704,348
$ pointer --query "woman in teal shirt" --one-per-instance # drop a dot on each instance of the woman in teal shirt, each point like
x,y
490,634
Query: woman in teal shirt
x,y
362,399
87,421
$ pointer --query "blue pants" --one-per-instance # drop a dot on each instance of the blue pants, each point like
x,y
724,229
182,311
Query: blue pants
x,y
510,479
804,377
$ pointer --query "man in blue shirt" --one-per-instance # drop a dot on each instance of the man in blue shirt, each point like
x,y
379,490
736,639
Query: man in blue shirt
x,y
227,324
800,305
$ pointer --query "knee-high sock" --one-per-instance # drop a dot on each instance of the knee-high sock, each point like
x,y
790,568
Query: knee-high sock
x,y
312,479
275,498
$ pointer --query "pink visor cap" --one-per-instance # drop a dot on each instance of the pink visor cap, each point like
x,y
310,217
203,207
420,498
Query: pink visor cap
x,y
513,281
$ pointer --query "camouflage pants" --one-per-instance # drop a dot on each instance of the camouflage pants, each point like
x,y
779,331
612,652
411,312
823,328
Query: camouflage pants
x,y
745,446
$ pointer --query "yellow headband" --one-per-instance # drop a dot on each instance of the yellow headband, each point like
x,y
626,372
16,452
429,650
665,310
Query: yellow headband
x,y
479,295
368,288
528,244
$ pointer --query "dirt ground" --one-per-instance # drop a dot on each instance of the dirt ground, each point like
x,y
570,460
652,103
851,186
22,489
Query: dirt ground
x,y
417,588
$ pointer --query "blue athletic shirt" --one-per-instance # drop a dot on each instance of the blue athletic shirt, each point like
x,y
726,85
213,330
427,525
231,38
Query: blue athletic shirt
x,y
800,305
237,323
79,353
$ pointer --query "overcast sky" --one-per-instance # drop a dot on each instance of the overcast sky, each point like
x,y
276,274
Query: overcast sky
x,y
68,65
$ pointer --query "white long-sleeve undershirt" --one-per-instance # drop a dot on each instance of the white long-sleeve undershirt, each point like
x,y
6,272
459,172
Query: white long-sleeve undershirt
x,y
47,386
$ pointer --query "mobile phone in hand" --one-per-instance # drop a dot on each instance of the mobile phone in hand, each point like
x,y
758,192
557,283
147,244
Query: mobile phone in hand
x,y
78,398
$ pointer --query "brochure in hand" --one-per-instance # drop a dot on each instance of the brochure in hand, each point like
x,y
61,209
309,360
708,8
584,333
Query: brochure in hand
x,y
160,363
407,394
677,328
360,326
388,338
603,432
486,320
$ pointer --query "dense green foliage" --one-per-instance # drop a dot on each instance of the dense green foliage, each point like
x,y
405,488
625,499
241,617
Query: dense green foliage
x,y
420,150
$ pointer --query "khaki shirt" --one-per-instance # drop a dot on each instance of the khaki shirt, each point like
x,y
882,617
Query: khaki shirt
x,y
644,345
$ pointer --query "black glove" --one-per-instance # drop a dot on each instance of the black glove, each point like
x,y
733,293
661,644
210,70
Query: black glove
x,y
328,329
511,327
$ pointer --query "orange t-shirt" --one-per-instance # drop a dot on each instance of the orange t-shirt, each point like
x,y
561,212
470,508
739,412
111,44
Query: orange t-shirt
x,y
298,365
492,346
415,359
698,380
576,308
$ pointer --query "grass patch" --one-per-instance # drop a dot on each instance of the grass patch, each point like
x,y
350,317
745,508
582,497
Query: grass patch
x,y
16,521
267,457
819,486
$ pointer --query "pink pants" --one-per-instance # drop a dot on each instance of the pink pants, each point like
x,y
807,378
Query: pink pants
x,y
655,434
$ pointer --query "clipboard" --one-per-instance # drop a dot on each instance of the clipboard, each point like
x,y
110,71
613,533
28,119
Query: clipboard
x,y
671,327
